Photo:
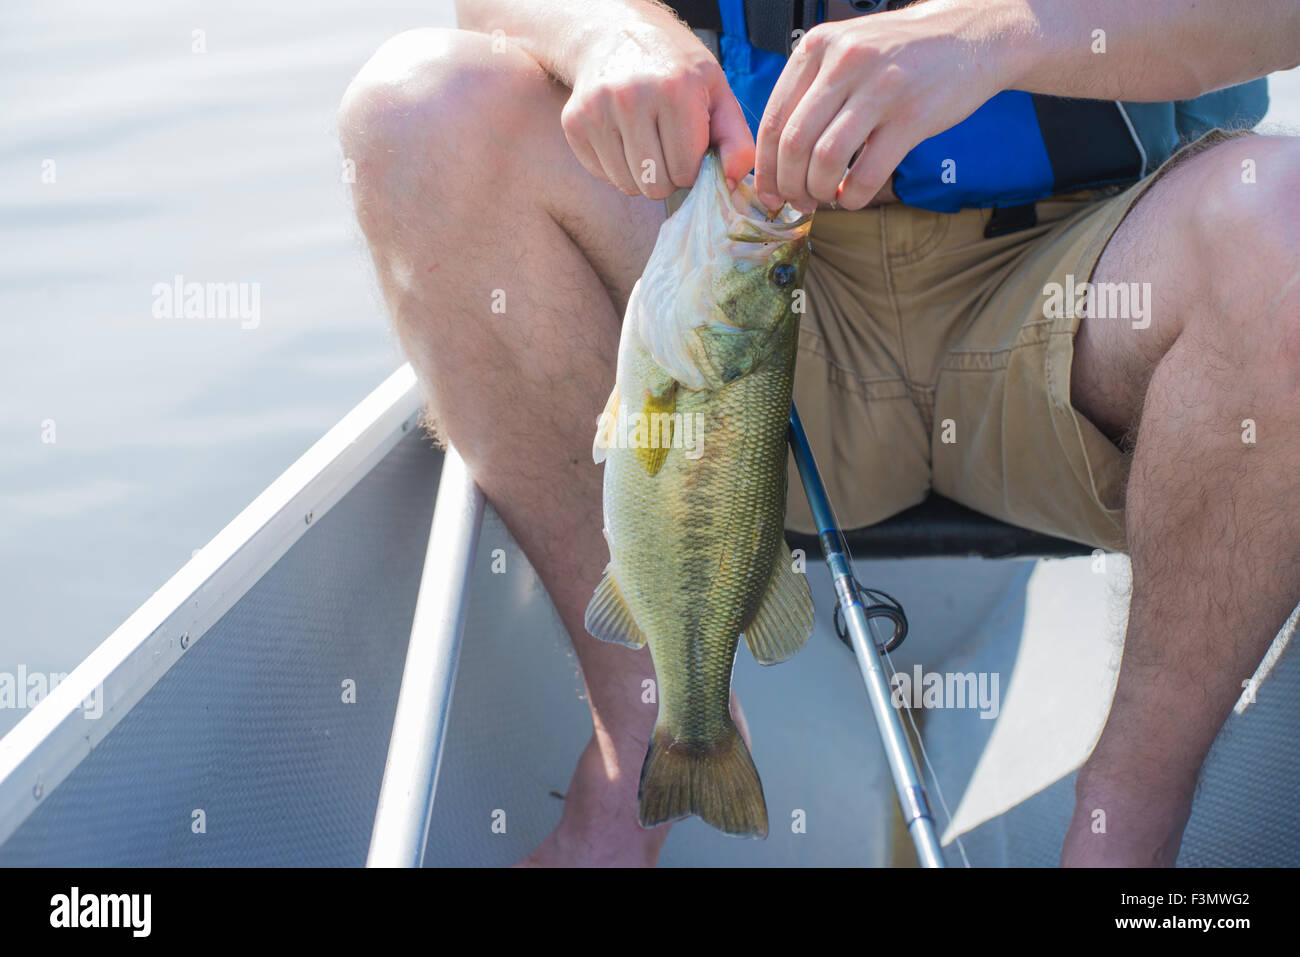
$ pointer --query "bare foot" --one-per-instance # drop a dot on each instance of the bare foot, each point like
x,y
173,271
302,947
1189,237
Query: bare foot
x,y
599,827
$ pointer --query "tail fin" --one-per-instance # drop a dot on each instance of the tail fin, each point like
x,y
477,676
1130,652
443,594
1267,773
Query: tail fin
x,y
718,782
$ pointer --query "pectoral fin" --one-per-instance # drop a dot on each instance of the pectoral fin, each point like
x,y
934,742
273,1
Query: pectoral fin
x,y
605,428
608,617
784,621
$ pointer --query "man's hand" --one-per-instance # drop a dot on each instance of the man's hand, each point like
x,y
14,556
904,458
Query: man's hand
x,y
889,81
647,101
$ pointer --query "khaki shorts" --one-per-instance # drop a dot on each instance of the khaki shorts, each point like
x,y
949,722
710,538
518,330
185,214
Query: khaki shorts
x,y
926,362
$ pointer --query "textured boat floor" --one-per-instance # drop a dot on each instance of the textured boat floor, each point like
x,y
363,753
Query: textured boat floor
x,y
1051,633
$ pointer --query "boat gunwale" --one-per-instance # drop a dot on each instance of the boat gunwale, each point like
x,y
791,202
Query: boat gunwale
x,y
55,736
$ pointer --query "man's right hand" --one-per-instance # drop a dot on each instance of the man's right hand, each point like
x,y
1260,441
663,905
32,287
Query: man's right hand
x,y
648,100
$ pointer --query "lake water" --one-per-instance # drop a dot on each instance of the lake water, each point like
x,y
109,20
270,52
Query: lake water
x,y
128,439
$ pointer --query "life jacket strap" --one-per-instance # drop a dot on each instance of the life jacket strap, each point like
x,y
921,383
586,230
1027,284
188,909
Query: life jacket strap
x,y
1011,219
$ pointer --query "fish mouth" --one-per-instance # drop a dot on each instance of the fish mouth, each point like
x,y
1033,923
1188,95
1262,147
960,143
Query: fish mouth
x,y
744,200
748,219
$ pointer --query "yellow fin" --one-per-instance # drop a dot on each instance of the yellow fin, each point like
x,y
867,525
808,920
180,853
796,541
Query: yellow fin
x,y
605,428
608,617
784,621
654,433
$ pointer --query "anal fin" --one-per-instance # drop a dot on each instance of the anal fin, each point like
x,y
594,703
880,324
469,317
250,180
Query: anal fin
x,y
784,621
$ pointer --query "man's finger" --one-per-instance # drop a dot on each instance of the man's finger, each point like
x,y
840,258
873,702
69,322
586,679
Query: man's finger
x,y
683,136
831,154
608,144
884,150
578,131
729,132
819,106
645,159
791,85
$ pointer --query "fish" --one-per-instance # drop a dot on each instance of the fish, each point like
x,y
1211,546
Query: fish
x,y
694,445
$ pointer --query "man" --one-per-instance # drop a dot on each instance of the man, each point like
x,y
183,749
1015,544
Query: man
x,y
508,161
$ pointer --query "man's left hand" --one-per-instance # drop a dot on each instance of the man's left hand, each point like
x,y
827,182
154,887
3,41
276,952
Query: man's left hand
x,y
887,80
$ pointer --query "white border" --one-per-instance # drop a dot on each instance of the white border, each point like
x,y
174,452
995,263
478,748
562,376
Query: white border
x,y
52,740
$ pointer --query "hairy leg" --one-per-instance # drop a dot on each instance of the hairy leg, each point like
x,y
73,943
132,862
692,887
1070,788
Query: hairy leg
x,y
1208,394
470,198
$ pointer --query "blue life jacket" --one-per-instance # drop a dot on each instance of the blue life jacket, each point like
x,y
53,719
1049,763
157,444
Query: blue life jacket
x,y
1018,147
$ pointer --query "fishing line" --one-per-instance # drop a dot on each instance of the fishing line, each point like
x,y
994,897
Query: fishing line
x,y
756,116
877,596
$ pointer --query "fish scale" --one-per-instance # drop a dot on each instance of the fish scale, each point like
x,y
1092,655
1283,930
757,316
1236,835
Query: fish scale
x,y
735,554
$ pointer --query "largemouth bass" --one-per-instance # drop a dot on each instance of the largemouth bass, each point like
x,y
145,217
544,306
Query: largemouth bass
x,y
694,444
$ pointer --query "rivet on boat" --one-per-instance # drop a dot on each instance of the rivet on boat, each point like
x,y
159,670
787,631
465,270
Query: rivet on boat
x,y
185,641
39,791
307,517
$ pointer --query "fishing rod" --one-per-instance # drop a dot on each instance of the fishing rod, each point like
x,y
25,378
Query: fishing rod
x,y
857,617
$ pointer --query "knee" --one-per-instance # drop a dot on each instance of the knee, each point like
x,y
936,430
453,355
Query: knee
x,y
425,112
1248,189
1243,232
1244,207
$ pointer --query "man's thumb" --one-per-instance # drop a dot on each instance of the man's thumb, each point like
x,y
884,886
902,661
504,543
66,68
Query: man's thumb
x,y
730,134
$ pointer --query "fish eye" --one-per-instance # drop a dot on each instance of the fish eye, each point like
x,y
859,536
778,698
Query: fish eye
x,y
783,274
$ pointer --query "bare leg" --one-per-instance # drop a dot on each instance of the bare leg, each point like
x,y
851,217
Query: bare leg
x,y
470,197
1213,518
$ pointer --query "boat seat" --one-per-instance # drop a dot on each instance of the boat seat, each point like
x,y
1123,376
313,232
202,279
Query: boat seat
x,y
941,528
